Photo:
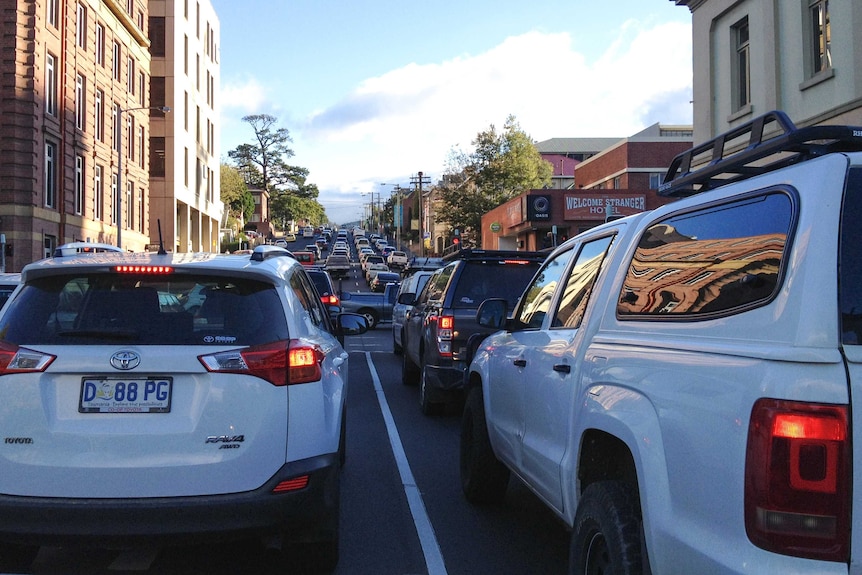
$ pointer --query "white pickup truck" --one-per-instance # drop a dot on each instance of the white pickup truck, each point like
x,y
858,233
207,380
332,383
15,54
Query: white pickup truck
x,y
679,386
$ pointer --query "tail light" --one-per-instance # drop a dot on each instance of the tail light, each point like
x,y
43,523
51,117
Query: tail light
x,y
797,479
14,359
445,331
279,363
330,299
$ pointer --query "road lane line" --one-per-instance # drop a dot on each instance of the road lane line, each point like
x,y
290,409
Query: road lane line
x,y
433,556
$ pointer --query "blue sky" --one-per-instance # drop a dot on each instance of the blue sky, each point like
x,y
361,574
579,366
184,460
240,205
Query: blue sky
x,y
375,91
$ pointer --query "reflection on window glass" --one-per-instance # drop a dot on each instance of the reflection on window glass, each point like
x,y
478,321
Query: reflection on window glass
x,y
537,298
850,262
715,260
580,283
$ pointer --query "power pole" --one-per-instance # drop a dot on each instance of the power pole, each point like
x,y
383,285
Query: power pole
x,y
418,181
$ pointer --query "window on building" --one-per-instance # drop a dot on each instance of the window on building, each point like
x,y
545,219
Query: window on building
x,y
821,36
130,75
186,55
115,201
157,36
51,84
742,66
51,7
79,185
116,54
130,190
139,19
130,136
141,145
50,175
81,27
98,193
99,116
100,44
141,223
130,7
49,244
618,182
157,94
80,102
142,85
157,157
118,129
186,168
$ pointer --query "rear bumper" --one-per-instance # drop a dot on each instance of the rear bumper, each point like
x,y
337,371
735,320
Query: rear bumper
x,y
308,514
445,383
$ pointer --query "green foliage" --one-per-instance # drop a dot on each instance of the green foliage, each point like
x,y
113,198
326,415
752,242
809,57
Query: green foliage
x,y
263,165
234,193
501,167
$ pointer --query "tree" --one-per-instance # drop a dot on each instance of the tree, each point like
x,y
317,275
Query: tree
x,y
501,167
263,164
234,193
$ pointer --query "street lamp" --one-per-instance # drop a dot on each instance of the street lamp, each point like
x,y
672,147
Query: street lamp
x,y
119,208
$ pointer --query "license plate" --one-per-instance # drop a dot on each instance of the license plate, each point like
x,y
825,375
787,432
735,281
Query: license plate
x,y
122,395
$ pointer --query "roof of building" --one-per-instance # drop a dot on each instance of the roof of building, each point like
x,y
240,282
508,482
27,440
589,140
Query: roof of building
x,y
575,145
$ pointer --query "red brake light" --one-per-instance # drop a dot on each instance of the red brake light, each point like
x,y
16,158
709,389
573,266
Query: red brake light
x,y
279,363
14,359
330,300
797,479
155,270
446,322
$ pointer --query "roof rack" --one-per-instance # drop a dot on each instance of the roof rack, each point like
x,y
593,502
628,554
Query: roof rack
x,y
785,145
475,253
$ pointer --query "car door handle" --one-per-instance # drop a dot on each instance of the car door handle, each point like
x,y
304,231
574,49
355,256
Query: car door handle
x,y
563,368
520,363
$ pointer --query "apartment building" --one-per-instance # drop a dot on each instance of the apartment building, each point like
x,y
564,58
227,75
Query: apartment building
x,y
751,57
73,111
184,151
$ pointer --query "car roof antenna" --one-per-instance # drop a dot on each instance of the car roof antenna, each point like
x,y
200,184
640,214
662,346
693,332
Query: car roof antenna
x,y
162,251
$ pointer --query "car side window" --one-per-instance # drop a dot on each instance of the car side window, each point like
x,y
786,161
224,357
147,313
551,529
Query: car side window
x,y
301,287
437,284
537,298
722,259
579,284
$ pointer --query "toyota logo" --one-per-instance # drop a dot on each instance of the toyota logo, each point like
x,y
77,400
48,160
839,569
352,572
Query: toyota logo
x,y
125,360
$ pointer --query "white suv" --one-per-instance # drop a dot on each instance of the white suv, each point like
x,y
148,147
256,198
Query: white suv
x,y
680,386
127,416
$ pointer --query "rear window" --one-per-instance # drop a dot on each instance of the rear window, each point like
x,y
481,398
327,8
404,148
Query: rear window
x,y
154,310
480,280
723,259
850,258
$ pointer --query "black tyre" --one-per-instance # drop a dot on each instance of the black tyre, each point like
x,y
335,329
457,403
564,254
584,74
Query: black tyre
x,y
606,536
409,370
426,403
483,477
17,557
371,316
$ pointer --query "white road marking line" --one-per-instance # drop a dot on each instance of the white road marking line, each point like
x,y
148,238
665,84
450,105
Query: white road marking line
x,y
433,556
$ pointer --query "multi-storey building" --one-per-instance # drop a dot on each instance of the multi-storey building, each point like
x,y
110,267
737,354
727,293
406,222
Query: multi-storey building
x,y
184,164
83,133
73,111
751,57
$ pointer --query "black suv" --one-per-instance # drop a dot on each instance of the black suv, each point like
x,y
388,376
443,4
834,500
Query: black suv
x,y
438,329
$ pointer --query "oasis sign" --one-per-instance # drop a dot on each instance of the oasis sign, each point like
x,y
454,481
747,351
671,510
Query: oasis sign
x,y
595,206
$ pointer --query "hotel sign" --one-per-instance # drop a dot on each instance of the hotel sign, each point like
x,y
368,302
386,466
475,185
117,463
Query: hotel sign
x,y
595,206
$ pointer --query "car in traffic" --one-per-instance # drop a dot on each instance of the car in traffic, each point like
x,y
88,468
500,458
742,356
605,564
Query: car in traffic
x,y
397,259
381,278
306,258
146,423
410,287
438,329
290,237
372,271
75,248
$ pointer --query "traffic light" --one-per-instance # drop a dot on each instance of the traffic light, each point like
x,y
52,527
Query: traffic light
x,y
456,239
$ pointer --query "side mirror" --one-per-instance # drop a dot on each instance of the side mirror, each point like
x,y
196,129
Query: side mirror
x,y
492,313
351,324
407,298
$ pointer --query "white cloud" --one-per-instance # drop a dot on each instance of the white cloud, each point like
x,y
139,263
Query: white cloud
x,y
408,120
